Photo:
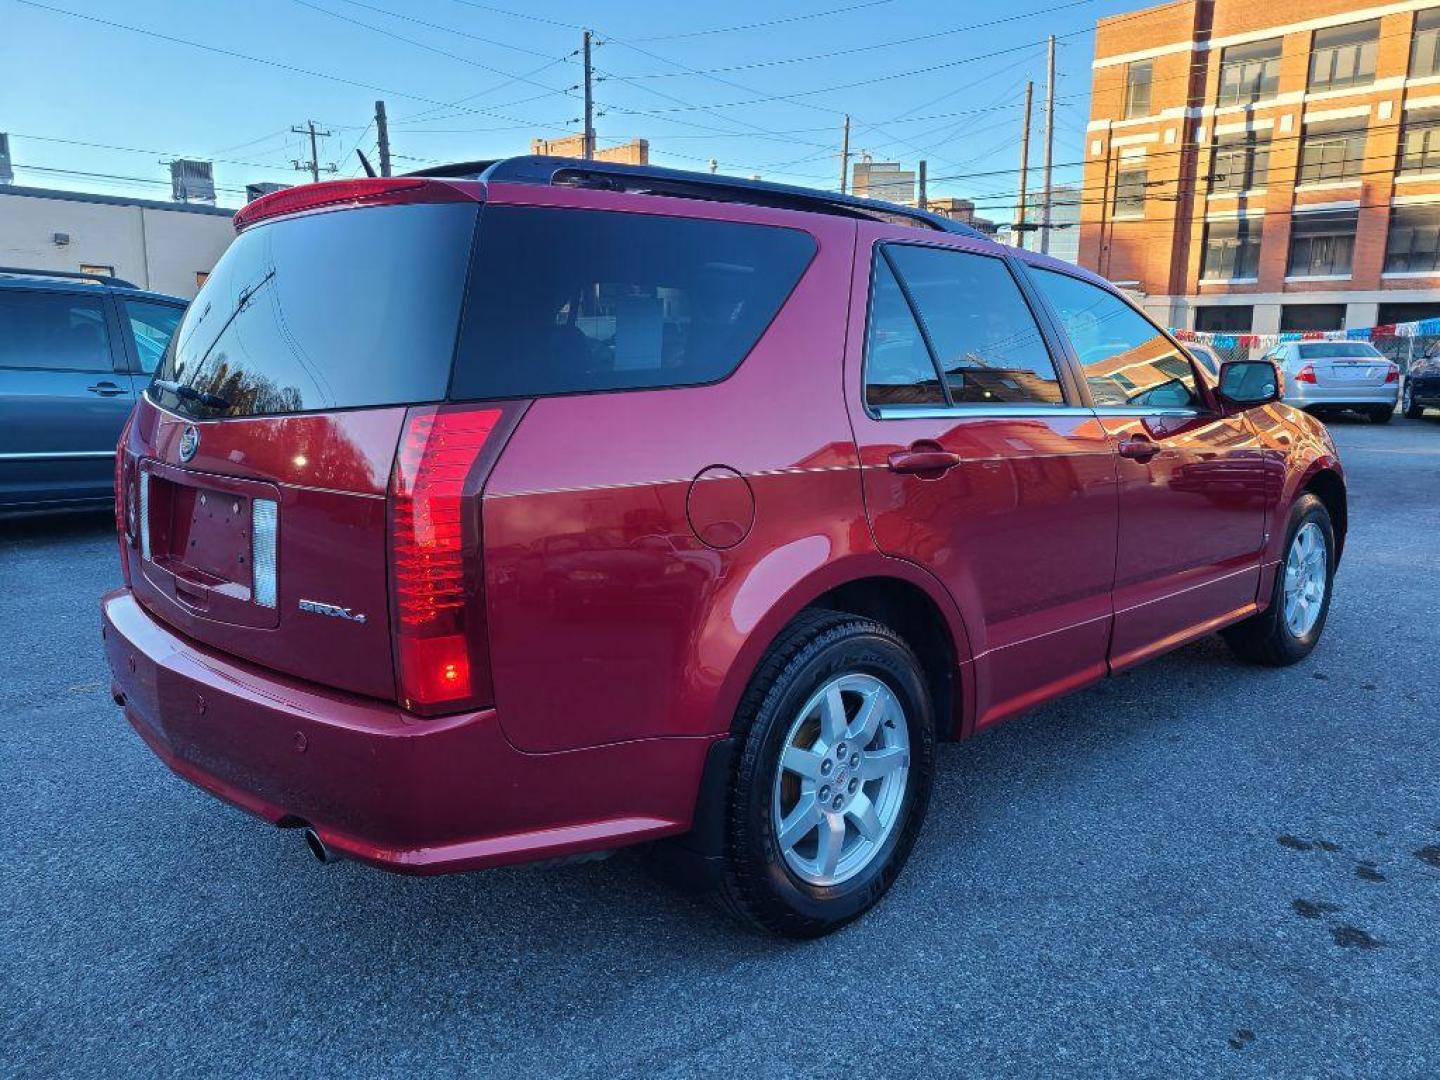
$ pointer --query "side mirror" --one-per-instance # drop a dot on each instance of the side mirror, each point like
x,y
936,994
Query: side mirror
x,y
1250,382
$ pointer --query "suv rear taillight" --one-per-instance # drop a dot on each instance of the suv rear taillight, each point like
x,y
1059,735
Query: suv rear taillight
x,y
441,652
1306,374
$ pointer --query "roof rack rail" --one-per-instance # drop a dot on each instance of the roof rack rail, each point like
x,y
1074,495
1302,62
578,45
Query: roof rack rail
x,y
653,180
69,275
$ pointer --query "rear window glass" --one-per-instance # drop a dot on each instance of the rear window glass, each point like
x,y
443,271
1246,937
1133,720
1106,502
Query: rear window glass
x,y
54,331
569,301
334,310
151,327
1332,350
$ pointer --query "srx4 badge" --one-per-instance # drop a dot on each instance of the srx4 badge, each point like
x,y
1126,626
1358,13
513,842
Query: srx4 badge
x,y
334,611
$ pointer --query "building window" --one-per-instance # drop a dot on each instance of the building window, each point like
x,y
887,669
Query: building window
x,y
1425,49
1250,72
96,270
1130,193
1328,155
1241,163
1322,243
1225,319
1413,246
1138,79
1232,249
1420,143
201,276
1344,56
1304,318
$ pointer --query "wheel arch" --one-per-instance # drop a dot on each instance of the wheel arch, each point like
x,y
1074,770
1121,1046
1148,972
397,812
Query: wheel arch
x,y
1327,485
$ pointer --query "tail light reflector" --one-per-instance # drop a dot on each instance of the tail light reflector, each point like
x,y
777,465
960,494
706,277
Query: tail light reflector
x,y
1306,374
264,529
144,486
440,647
1393,374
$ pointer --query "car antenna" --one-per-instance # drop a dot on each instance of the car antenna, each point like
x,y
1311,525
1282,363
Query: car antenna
x,y
364,161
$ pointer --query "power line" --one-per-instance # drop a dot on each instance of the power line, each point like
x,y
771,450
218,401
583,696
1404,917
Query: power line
x,y
768,22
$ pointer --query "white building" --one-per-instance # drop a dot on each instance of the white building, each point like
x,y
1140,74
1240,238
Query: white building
x,y
164,246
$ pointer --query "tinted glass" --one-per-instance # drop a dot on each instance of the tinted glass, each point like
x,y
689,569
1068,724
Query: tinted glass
x,y
898,368
567,301
1127,360
1330,350
151,326
326,311
988,344
53,331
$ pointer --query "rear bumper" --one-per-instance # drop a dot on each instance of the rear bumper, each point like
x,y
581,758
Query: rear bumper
x,y
379,785
1425,390
1306,395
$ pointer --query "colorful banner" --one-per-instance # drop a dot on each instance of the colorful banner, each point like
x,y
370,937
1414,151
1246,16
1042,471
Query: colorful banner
x,y
1422,328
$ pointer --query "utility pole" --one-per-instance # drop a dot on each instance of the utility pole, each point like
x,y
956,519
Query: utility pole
x,y
845,157
1049,144
382,133
1020,207
313,167
589,101
924,200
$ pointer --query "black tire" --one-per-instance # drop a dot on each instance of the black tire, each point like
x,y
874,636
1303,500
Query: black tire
x,y
1407,404
1266,638
1381,415
757,886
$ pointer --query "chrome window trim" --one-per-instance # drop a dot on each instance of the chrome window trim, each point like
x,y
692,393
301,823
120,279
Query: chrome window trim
x,y
940,412
58,455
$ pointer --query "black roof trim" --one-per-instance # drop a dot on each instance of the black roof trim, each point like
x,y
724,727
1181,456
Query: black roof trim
x,y
68,275
680,183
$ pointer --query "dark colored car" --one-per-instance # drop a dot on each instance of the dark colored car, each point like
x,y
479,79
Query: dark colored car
x,y
75,352
540,507
1422,385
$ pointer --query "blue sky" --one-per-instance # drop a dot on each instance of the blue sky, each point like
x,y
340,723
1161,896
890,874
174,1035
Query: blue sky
x,y
760,87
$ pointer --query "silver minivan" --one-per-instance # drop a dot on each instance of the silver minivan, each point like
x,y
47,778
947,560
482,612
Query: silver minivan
x,y
1354,375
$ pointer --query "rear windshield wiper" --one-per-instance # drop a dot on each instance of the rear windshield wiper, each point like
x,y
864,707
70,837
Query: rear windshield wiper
x,y
189,393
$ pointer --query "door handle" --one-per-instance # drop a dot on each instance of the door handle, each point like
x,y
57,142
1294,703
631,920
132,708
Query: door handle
x,y
1138,448
923,459
106,389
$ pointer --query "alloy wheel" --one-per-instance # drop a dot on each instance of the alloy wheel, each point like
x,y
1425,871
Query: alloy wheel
x,y
1306,579
840,786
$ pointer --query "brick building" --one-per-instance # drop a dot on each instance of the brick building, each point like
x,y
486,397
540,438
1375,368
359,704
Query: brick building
x,y
634,152
1256,167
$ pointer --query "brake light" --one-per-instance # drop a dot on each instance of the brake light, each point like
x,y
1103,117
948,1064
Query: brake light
x,y
334,194
440,649
1306,374
1393,374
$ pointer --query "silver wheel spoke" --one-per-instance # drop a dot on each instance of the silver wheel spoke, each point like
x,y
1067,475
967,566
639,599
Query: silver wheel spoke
x,y
867,821
832,716
802,762
832,842
878,763
800,821
867,720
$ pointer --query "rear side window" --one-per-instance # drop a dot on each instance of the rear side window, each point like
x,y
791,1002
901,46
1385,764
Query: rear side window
x,y
53,331
335,310
570,301
151,326
1127,361
898,368
988,346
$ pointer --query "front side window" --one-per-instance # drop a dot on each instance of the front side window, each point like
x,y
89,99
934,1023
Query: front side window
x,y
1413,246
1250,73
574,301
151,327
1139,77
1232,249
1240,164
53,331
987,344
1420,143
898,366
1322,243
1130,187
1344,56
1329,155
1425,48
1127,360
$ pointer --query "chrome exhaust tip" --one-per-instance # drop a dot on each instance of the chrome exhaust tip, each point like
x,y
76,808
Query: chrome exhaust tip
x,y
318,848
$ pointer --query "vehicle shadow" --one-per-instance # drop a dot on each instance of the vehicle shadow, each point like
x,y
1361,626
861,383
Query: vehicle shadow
x,y
54,526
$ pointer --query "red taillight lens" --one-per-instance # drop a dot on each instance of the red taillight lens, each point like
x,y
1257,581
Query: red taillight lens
x,y
366,191
435,546
1393,375
1306,374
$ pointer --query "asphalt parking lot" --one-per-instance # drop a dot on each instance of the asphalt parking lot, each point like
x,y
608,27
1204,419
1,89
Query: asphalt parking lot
x,y
1197,869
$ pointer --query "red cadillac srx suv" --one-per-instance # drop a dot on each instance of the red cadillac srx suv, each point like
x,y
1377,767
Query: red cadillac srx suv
x,y
534,508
